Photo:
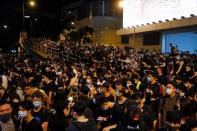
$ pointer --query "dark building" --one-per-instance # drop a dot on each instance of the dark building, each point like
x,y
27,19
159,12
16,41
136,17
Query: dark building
x,y
98,14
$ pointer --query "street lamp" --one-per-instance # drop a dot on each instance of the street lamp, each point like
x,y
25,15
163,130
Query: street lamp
x,y
121,4
72,23
5,26
32,4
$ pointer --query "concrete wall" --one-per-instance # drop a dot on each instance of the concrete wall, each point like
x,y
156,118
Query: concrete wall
x,y
186,22
104,28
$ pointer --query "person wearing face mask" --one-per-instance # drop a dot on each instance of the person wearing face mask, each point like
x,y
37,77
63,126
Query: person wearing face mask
x,y
168,103
39,112
133,121
153,92
189,73
189,90
179,66
108,113
7,123
27,121
139,86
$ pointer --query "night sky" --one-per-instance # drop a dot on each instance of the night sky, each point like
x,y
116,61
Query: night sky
x,y
47,13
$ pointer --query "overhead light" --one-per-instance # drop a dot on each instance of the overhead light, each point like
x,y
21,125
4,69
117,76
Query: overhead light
x,y
121,4
72,23
5,26
27,16
32,3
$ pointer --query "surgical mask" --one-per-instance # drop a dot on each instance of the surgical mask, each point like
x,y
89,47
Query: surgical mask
x,y
5,117
37,103
187,69
128,84
168,91
149,79
94,100
22,114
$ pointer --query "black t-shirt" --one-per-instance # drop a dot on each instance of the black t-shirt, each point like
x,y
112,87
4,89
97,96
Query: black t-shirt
x,y
41,116
156,90
113,115
33,125
60,123
110,98
188,125
162,79
190,92
83,126
148,116
129,125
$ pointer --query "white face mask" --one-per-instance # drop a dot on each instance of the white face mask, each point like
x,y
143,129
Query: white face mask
x,y
128,84
94,100
22,114
168,91
187,69
149,79
37,103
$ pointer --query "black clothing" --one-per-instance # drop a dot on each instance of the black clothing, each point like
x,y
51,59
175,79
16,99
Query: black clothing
x,y
33,125
59,123
129,125
41,116
83,126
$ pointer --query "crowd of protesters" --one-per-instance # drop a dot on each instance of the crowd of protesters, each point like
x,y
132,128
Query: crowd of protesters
x,y
98,87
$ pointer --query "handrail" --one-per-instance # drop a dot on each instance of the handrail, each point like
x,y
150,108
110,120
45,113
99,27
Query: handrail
x,y
43,50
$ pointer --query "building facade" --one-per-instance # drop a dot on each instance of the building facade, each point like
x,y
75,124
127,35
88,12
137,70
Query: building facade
x,y
104,16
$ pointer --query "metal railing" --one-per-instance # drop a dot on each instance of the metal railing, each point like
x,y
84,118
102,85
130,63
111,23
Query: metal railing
x,y
43,50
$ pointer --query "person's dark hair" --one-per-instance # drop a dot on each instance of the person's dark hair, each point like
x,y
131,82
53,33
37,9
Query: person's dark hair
x,y
106,85
60,106
134,111
129,103
27,105
123,92
4,101
135,77
85,90
79,107
84,98
37,94
178,78
101,100
185,107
